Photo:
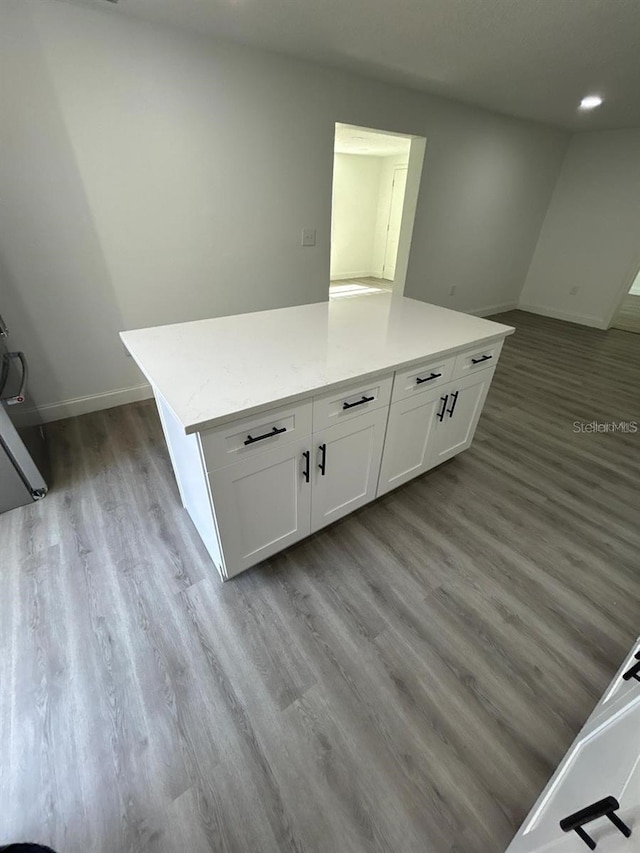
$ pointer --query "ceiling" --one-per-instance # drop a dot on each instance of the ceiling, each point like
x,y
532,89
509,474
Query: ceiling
x,y
530,58
358,140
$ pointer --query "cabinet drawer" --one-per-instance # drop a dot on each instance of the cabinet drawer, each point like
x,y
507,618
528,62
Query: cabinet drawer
x,y
244,438
339,406
472,360
407,383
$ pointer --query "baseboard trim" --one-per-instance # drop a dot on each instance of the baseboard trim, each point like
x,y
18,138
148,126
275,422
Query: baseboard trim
x,y
580,319
93,403
342,275
493,309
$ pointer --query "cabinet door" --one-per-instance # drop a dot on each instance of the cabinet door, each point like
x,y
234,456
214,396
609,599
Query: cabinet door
x,y
407,447
346,464
461,407
624,687
262,504
603,761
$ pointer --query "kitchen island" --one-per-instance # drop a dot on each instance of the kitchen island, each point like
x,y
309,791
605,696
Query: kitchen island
x,y
283,421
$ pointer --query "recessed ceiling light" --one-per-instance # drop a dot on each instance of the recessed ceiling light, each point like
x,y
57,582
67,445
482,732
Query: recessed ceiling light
x,y
590,102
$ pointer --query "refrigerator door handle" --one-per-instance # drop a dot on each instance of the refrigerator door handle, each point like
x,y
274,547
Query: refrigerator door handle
x,y
19,397
3,328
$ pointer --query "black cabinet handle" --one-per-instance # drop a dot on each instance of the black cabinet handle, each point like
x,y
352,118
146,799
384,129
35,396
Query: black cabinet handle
x,y
633,671
305,473
275,431
323,459
603,808
454,398
419,381
358,402
440,414
479,360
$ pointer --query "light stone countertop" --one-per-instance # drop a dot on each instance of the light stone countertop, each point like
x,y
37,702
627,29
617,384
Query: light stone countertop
x,y
212,371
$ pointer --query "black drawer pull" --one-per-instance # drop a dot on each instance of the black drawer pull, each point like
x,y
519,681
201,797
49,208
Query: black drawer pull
x,y
358,402
440,414
479,360
454,397
419,381
305,473
633,671
323,459
603,808
275,431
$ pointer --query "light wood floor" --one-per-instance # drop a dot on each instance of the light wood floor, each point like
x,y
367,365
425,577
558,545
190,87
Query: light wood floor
x,y
628,315
404,681
346,288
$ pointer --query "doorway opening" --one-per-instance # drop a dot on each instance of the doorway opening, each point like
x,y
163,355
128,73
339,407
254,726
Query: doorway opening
x,y
627,317
376,176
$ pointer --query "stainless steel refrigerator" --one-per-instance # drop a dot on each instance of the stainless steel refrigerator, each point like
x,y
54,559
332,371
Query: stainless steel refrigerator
x,y
24,465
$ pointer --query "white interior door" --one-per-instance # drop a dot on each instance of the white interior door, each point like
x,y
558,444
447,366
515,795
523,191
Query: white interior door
x,y
346,465
460,406
407,447
395,221
262,504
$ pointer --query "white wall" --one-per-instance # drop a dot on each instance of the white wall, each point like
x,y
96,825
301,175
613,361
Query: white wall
x,y
149,176
591,233
354,213
360,212
484,192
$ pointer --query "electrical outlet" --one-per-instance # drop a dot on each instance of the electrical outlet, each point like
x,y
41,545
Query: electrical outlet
x,y
574,290
308,236
452,292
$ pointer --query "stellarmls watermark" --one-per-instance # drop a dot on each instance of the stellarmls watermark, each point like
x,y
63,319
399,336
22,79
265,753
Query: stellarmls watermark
x,y
605,426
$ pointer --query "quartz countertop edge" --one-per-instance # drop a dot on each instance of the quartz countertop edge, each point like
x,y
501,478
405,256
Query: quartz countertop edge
x,y
328,325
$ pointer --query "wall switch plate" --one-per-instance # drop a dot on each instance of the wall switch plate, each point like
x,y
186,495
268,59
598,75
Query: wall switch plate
x,y
308,236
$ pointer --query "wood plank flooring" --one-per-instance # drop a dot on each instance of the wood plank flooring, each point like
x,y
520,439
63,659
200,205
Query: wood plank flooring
x,y
347,288
403,681
628,315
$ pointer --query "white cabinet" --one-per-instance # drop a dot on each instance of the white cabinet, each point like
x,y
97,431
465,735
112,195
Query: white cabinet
x,y
346,466
262,504
256,484
431,427
460,406
408,447
603,761
270,500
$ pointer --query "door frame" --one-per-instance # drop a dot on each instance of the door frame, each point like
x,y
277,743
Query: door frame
x,y
417,149
625,287
396,169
